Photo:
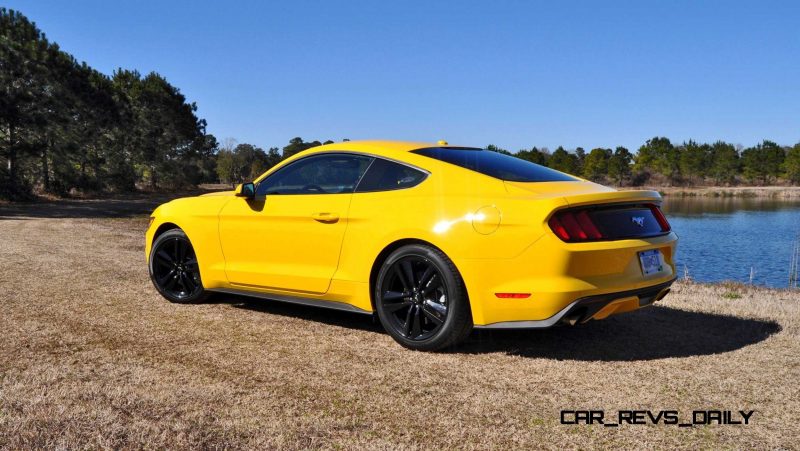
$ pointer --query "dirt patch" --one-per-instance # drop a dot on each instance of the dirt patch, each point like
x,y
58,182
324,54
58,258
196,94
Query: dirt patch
x,y
92,356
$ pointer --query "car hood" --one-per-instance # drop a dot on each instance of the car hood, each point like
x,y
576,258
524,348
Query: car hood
x,y
218,193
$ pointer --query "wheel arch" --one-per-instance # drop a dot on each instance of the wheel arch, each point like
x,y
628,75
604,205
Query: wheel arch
x,y
165,227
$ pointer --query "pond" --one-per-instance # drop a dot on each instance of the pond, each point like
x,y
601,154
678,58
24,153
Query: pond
x,y
729,238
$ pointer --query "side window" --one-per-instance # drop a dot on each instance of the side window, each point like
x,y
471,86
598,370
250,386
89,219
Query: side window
x,y
384,175
318,174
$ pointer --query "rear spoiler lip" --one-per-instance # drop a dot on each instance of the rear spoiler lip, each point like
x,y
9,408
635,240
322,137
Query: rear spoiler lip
x,y
614,197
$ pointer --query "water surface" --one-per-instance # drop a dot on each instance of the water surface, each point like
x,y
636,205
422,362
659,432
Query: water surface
x,y
727,238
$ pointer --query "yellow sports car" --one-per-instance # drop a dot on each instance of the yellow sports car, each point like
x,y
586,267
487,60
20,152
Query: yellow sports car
x,y
433,239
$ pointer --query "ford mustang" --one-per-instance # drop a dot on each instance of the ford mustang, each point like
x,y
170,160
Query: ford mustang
x,y
433,239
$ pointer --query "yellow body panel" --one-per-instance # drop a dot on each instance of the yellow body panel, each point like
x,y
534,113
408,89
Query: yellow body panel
x,y
288,249
495,232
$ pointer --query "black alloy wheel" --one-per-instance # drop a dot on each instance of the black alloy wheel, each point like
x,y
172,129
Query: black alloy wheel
x,y
421,300
174,269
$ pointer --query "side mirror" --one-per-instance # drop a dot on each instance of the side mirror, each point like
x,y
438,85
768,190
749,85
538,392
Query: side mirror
x,y
246,190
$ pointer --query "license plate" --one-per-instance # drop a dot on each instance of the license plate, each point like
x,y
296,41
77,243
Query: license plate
x,y
652,261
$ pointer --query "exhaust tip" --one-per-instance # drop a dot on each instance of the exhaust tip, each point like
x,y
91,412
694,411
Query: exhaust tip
x,y
572,319
662,294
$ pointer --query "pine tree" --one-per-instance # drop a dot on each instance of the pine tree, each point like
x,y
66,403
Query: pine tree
x,y
619,165
563,161
596,164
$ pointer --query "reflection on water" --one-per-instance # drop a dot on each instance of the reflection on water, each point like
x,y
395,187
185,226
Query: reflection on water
x,y
693,206
724,238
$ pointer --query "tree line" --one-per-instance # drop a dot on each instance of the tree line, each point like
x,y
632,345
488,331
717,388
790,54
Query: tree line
x,y
659,162
67,128
244,162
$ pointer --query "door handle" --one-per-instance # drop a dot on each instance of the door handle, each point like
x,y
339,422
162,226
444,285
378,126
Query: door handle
x,y
326,217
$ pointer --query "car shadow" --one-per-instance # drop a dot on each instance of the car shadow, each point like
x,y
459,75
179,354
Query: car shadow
x,y
119,206
649,334
339,318
75,209
653,333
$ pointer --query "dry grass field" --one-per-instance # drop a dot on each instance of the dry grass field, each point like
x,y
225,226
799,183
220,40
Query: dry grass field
x,y
92,357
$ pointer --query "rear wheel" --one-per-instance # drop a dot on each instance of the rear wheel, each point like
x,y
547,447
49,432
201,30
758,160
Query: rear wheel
x,y
421,300
174,269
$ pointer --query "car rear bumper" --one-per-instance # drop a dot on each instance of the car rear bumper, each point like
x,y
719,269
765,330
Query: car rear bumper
x,y
593,307
552,276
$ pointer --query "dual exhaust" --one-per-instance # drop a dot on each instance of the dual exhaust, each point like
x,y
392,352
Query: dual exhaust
x,y
583,314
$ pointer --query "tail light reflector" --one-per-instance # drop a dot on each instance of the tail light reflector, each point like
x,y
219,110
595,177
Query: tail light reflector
x,y
662,220
588,226
513,295
575,226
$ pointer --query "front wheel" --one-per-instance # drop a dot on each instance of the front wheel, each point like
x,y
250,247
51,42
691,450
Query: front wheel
x,y
174,269
421,300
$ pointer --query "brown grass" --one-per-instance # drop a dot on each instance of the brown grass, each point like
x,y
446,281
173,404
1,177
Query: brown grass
x,y
91,356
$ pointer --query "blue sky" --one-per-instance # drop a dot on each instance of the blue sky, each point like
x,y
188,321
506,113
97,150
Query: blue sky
x,y
512,73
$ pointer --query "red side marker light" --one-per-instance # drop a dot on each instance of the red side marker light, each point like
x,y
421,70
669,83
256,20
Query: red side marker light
x,y
513,295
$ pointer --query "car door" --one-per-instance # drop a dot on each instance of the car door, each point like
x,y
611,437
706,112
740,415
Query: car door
x,y
288,238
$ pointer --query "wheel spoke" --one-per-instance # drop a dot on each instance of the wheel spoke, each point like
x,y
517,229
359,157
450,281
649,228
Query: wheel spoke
x,y
409,272
407,324
429,272
182,251
392,296
187,282
171,282
431,316
391,308
163,257
162,280
433,284
180,285
416,329
399,274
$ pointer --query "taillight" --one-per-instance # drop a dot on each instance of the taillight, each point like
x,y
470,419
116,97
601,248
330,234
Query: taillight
x,y
662,220
575,226
609,222
586,224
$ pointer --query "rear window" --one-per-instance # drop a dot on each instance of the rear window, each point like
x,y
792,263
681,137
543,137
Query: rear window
x,y
494,164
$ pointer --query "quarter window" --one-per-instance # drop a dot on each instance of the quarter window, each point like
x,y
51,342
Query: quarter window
x,y
384,175
318,174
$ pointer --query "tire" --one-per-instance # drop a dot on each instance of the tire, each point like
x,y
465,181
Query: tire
x,y
421,300
174,269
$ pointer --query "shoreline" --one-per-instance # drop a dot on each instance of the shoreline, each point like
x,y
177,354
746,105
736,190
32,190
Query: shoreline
x,y
768,192
733,286
753,192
